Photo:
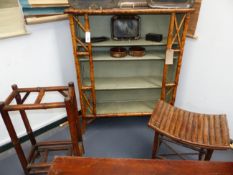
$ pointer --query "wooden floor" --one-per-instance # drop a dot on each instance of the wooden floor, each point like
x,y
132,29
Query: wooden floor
x,y
107,137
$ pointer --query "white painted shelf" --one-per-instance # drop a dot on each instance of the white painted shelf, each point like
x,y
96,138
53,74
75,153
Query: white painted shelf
x,y
125,107
139,42
126,83
105,56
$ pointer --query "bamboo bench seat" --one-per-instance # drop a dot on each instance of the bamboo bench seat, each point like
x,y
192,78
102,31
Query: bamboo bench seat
x,y
204,131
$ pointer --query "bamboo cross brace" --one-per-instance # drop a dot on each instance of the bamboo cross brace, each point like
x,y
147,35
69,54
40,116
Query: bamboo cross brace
x,y
81,43
169,91
88,103
62,93
25,97
40,96
177,35
79,24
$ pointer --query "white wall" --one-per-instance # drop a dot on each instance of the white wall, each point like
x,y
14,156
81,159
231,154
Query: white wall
x,y
206,81
45,58
42,58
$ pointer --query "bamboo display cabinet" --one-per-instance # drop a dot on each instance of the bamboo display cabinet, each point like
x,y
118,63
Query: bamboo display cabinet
x,y
129,86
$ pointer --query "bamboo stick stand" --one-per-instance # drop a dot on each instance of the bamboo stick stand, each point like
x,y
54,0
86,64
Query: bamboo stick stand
x,y
36,162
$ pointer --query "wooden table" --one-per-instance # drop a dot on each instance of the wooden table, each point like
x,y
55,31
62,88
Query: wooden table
x,y
106,166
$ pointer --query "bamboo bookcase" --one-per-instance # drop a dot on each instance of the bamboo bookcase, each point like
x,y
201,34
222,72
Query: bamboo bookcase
x,y
111,87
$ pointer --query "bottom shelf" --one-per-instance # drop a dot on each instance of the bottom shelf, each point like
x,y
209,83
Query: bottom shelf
x,y
132,108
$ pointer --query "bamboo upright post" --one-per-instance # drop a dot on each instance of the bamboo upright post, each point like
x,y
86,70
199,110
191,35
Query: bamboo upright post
x,y
14,138
92,77
78,71
185,30
169,46
24,117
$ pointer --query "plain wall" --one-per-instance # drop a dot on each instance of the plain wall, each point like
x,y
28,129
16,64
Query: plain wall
x,y
42,58
206,83
45,58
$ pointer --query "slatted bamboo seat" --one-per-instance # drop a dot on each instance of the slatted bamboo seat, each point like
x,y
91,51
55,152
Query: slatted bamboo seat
x,y
206,132
37,161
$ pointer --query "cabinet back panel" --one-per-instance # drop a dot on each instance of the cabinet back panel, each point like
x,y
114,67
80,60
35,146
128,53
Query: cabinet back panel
x,y
101,25
127,95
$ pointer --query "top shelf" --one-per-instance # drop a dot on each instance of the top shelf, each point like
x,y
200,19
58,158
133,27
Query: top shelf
x,y
139,42
126,11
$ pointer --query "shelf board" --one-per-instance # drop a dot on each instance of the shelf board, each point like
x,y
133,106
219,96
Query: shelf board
x,y
112,83
125,108
139,42
105,56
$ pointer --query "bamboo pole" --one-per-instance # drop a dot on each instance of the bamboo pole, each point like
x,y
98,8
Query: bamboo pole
x,y
24,117
169,46
87,27
14,138
77,66
185,30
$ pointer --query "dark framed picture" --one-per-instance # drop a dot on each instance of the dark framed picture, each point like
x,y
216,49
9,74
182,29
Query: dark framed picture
x,y
125,27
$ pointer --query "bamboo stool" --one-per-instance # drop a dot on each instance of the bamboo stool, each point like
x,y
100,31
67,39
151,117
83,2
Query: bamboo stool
x,y
201,132
36,162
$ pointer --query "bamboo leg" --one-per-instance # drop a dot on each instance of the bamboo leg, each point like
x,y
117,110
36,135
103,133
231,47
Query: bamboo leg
x,y
201,154
78,125
77,67
155,145
14,138
72,125
208,154
87,27
24,118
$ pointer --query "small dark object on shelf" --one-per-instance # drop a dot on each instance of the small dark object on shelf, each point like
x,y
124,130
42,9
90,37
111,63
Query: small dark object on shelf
x,y
137,51
118,52
125,27
154,37
97,39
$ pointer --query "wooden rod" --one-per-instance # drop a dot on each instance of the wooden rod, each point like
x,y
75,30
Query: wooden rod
x,y
63,93
84,88
52,143
14,138
24,117
10,97
126,114
79,24
72,126
32,152
25,97
76,113
177,35
34,106
81,43
83,53
126,11
40,96
37,89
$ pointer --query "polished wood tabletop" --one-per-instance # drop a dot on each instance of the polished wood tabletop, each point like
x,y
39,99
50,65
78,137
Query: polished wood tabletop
x,y
110,166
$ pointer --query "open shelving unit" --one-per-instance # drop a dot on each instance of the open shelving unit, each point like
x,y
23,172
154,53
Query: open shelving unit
x,y
128,86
